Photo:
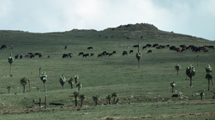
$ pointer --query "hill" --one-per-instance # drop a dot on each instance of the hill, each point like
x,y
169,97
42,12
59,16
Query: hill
x,y
142,93
142,32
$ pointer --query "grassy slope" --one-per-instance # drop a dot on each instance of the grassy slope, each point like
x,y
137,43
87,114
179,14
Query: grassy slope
x,y
102,76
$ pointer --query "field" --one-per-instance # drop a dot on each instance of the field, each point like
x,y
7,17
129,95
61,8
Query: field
x,y
144,93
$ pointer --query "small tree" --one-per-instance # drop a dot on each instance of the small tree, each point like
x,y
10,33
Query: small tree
x,y
8,88
76,94
177,67
76,78
39,71
114,95
208,69
24,82
79,86
172,85
70,81
29,83
202,94
62,80
138,55
96,99
43,77
10,61
197,60
82,97
190,71
209,77
108,97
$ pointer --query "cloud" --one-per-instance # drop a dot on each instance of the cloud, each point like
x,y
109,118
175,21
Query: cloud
x,y
181,16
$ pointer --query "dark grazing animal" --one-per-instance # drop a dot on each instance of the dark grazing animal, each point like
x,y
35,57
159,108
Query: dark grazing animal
x,y
85,55
149,51
70,55
16,57
135,45
114,52
20,56
3,47
99,55
155,45
92,54
111,54
131,51
80,53
148,45
144,47
64,55
125,53
90,48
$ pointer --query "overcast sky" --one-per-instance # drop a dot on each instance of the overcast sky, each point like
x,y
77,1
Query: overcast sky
x,y
191,17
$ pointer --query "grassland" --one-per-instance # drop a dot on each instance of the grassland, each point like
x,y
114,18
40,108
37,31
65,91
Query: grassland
x,y
145,93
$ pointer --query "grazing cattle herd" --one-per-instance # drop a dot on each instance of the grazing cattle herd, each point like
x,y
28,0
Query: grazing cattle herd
x,y
181,48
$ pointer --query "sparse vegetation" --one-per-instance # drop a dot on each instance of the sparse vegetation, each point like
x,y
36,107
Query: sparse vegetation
x,y
43,77
79,86
146,89
24,82
82,97
76,94
70,81
10,61
8,88
190,71
177,67
62,80
96,99
172,85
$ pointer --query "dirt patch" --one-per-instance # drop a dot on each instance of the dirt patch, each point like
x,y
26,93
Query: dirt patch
x,y
160,116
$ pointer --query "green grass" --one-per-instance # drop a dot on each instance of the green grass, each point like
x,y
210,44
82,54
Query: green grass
x,y
147,89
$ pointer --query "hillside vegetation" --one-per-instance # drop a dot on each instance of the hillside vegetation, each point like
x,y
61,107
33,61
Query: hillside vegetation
x,y
144,93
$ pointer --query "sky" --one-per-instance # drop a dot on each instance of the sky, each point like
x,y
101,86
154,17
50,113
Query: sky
x,y
190,17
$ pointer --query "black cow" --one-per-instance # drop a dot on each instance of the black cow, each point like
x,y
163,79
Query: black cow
x,y
124,53
65,47
3,47
65,55
114,52
20,56
104,53
16,57
92,54
131,51
148,45
40,55
172,47
149,51
183,46
211,46
144,47
37,54
81,53
135,45
155,45
90,48
85,55
107,54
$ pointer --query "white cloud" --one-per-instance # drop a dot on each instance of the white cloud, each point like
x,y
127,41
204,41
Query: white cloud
x,y
182,16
